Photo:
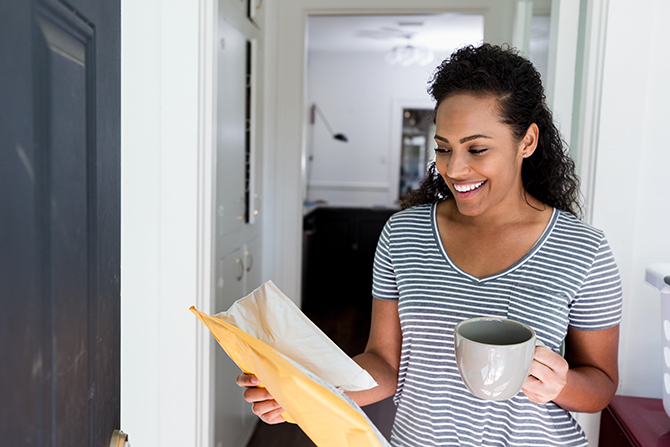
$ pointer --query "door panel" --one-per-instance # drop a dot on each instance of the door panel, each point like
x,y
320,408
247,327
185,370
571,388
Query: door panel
x,y
231,129
252,264
64,198
59,249
229,425
238,261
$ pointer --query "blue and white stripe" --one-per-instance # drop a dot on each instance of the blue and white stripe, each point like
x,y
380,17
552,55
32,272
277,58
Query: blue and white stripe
x,y
568,279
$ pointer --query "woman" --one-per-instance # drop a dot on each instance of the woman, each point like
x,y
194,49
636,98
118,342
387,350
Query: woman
x,y
492,231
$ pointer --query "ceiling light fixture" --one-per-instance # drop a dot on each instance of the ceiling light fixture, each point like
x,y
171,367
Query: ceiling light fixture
x,y
406,55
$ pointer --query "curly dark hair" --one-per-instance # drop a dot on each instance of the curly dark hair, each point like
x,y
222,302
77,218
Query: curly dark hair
x,y
549,173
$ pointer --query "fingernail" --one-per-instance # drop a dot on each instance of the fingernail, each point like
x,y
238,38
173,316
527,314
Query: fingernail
x,y
255,381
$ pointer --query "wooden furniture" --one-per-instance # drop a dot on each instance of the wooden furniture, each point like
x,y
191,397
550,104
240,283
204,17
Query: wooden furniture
x,y
635,422
339,247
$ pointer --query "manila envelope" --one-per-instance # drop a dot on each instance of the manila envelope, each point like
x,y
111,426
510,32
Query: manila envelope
x,y
307,376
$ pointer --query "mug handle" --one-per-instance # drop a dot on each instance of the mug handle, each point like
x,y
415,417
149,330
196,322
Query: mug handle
x,y
538,342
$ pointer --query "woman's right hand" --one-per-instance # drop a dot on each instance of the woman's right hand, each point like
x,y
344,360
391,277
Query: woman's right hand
x,y
263,404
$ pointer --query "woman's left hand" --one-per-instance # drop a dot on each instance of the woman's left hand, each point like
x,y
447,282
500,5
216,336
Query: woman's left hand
x,y
547,377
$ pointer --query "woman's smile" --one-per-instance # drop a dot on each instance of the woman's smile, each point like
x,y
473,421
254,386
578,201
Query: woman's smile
x,y
468,187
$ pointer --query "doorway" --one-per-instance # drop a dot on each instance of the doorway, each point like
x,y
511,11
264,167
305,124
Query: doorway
x,y
418,128
358,68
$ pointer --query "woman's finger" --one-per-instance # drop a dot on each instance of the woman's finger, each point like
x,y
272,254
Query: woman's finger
x,y
547,376
273,417
252,395
532,388
552,360
265,406
540,370
247,380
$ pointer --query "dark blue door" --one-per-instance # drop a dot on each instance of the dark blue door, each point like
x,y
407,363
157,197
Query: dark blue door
x,y
59,222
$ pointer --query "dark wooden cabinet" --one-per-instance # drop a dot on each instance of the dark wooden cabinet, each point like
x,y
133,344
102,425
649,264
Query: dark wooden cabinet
x,y
634,422
339,249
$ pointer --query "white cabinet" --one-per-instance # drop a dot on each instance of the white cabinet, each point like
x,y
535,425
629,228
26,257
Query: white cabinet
x,y
232,126
238,213
238,274
252,257
236,277
230,416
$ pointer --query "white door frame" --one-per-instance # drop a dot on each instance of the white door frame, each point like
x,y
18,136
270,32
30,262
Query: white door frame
x,y
208,13
588,88
397,107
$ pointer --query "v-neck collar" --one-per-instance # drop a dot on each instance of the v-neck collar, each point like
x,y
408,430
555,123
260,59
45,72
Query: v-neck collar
x,y
540,242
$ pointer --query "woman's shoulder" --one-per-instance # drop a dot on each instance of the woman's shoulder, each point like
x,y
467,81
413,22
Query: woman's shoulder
x,y
416,212
573,229
419,215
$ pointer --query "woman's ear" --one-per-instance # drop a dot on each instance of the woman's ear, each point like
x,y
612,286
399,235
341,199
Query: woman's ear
x,y
528,143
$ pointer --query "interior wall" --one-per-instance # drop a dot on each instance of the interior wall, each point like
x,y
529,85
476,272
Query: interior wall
x,y
159,159
356,92
632,190
288,117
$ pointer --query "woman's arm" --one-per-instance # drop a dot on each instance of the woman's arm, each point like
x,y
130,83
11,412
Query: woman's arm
x,y
382,353
585,380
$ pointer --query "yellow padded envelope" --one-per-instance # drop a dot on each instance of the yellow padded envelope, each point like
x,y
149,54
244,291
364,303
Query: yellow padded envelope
x,y
324,413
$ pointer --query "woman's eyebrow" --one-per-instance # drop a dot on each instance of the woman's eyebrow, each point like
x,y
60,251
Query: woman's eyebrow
x,y
463,140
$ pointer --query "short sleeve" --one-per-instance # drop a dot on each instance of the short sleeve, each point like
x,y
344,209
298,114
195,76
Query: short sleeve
x,y
384,285
598,304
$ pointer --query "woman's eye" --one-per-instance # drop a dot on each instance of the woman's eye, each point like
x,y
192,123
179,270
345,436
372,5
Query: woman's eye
x,y
439,150
477,151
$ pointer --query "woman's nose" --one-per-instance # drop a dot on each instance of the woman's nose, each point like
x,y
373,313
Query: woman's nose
x,y
457,166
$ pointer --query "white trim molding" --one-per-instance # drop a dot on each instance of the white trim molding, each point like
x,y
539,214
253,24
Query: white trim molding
x,y
208,13
563,41
591,82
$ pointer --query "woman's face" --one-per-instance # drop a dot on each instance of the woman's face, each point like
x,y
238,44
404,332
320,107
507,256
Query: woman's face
x,y
478,156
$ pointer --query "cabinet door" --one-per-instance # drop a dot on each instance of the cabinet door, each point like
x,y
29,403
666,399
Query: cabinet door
x,y
232,423
252,264
231,150
229,279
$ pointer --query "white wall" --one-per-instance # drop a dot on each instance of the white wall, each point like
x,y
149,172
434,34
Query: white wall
x,y
159,197
632,190
356,92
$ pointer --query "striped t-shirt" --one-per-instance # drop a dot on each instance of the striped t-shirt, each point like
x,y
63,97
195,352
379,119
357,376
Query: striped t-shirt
x,y
568,279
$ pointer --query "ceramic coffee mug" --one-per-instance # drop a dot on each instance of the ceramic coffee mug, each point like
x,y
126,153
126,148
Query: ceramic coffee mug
x,y
494,355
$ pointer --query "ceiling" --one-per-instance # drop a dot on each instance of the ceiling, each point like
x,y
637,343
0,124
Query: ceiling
x,y
441,33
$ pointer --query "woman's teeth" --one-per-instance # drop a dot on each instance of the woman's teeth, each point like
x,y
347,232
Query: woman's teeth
x,y
468,187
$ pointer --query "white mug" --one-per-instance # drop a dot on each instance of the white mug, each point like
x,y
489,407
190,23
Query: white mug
x,y
494,355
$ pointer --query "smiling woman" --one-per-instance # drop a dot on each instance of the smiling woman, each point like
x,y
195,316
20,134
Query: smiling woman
x,y
492,232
